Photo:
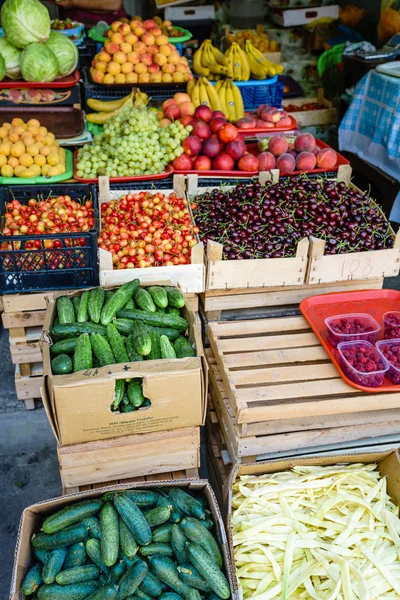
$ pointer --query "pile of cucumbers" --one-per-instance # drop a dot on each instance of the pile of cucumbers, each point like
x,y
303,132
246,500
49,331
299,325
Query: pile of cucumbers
x,y
129,544
103,327
128,396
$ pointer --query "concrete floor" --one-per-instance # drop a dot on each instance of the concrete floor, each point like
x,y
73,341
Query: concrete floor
x,y
28,460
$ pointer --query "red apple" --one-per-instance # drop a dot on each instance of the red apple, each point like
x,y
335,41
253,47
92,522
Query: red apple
x,y
192,145
183,163
248,162
235,149
223,162
204,113
202,163
201,129
211,147
227,133
216,123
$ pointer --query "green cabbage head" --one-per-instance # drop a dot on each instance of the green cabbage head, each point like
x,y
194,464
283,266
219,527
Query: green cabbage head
x,y
2,68
12,58
65,52
38,63
25,21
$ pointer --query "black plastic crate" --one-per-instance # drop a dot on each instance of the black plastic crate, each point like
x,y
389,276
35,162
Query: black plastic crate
x,y
87,51
159,184
24,268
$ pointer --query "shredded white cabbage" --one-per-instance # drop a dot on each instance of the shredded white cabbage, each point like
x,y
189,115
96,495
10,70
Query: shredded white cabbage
x,y
323,533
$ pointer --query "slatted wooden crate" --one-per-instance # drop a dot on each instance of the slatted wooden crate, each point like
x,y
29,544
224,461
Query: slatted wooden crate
x,y
275,390
130,456
219,462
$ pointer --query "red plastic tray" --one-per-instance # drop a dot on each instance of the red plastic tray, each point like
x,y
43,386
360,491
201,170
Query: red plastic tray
x,y
251,132
64,82
254,149
168,171
372,302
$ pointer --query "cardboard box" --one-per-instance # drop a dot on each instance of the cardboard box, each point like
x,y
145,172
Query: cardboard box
x,y
303,16
388,466
78,405
33,516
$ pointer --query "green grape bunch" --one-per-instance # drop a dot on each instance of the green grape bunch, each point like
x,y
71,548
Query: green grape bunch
x,y
132,144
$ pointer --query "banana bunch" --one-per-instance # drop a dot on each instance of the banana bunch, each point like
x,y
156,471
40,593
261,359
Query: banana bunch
x,y
201,91
209,62
106,110
260,66
231,100
239,66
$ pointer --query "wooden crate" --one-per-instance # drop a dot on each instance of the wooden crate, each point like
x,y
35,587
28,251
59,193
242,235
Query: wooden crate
x,y
184,474
219,462
189,277
255,302
307,118
27,387
130,456
275,389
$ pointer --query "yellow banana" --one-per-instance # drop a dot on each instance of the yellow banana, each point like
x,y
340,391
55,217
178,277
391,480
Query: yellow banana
x,y
229,57
258,71
218,69
222,98
237,68
269,66
102,117
209,58
196,94
219,57
204,99
218,85
230,103
244,64
101,106
140,99
190,85
197,62
212,95
238,101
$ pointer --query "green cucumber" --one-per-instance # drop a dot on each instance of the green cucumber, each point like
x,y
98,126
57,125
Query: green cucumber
x,y
102,350
83,357
163,568
32,580
164,500
155,352
71,514
178,543
154,319
77,574
118,569
190,575
65,310
135,393
134,519
160,310
60,539
83,312
130,304
207,568
117,344
196,532
171,310
74,329
42,555
193,595
144,300
124,326
64,346
167,349
162,533
133,354
146,403
127,542
118,392
127,408
140,594
109,543
143,498
175,297
172,334
109,294
76,302
186,503
76,556
94,527
61,365
162,549
54,565
118,300
95,304
75,591
131,580
157,516
170,596
94,552
183,348
107,592
159,295
141,339
150,585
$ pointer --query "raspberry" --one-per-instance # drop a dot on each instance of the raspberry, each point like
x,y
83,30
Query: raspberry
x,y
362,363
392,325
351,328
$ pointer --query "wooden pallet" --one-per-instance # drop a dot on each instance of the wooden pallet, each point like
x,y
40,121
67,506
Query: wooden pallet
x,y
28,387
184,474
219,462
275,389
129,456
259,302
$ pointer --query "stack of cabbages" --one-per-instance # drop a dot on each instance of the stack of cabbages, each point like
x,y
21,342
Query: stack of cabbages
x,y
29,49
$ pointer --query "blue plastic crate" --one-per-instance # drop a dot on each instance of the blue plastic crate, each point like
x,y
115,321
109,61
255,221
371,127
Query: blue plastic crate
x,y
255,92
73,265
